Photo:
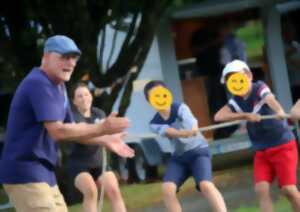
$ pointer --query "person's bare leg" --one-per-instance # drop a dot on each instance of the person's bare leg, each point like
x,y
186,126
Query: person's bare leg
x,y
170,199
262,190
293,195
214,197
85,183
111,188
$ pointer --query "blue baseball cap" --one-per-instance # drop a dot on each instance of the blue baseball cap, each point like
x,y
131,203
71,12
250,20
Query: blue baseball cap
x,y
61,44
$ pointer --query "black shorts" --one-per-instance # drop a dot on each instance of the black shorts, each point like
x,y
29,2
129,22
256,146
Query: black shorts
x,y
73,195
94,171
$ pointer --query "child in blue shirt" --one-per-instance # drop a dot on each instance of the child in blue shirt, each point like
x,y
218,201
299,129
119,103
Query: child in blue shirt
x,y
191,157
276,153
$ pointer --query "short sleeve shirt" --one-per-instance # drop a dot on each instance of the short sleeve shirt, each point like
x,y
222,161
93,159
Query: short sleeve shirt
x,y
30,154
266,133
89,156
181,117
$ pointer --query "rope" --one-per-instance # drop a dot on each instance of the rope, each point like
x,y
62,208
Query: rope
x,y
104,164
237,122
132,70
206,128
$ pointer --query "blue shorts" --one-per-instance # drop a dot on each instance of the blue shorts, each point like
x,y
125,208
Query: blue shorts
x,y
196,163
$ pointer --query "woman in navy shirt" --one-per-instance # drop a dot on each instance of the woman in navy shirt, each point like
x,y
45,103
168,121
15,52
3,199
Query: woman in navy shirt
x,y
85,162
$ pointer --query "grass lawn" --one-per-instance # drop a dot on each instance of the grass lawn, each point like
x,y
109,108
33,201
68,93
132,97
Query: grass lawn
x,y
281,205
141,195
4,200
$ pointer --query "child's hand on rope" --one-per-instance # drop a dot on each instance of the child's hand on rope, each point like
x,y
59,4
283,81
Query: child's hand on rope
x,y
281,114
188,133
194,131
252,117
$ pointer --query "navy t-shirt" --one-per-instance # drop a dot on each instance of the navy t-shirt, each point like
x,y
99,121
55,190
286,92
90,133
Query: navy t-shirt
x,y
30,154
181,117
266,133
89,156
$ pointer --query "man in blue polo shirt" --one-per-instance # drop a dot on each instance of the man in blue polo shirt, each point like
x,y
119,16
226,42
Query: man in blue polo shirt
x,y
40,116
276,153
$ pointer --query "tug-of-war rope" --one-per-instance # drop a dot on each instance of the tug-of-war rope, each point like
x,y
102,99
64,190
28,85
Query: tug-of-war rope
x,y
209,127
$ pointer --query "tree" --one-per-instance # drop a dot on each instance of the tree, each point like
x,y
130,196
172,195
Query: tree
x,y
24,26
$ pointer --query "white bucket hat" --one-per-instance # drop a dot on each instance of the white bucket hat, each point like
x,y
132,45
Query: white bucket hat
x,y
232,67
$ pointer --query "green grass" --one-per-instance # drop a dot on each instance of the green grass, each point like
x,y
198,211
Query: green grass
x,y
141,195
4,199
282,205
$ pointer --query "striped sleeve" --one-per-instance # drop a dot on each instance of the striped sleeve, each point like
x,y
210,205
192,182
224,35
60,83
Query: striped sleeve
x,y
232,104
263,90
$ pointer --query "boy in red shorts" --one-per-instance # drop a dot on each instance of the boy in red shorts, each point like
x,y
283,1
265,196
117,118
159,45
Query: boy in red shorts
x,y
276,153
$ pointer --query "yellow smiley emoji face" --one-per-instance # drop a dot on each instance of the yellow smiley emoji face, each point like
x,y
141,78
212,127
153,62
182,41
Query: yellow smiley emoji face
x,y
160,98
238,84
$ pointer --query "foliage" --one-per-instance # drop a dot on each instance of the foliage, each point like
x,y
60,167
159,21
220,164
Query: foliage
x,y
24,26
180,3
252,35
